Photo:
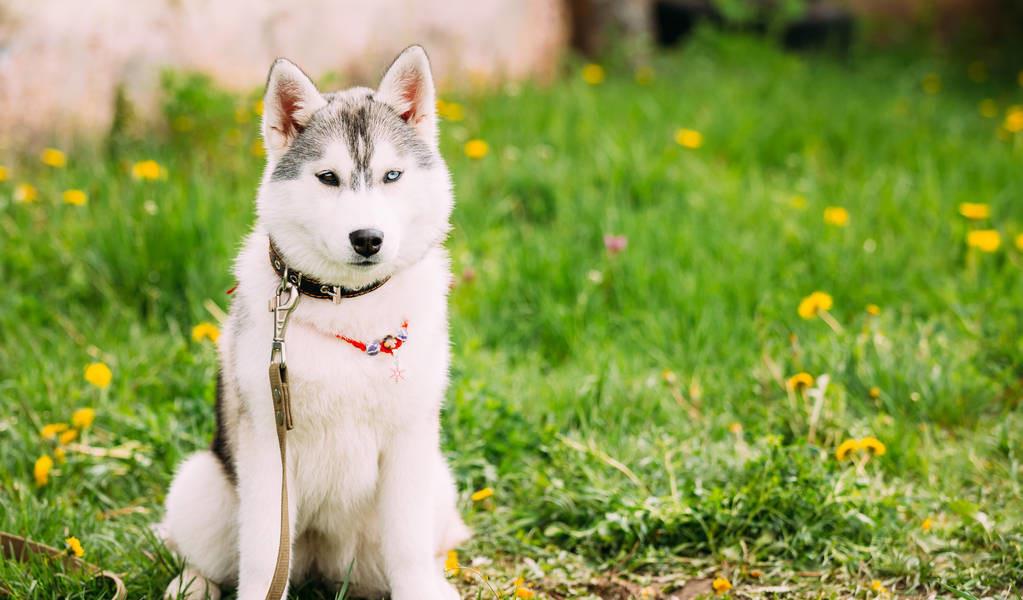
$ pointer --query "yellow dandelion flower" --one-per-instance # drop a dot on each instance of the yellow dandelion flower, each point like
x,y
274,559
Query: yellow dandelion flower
x,y
927,524
813,304
524,592
669,377
975,211
836,215
645,75
874,445
257,107
480,495
99,375
1019,241
878,587
68,436
735,428
873,310
205,331
800,381
593,74
721,585
988,108
689,138
60,454
74,547
25,193
75,197
51,157
41,470
874,393
83,417
846,448
147,170
985,240
450,111
476,149
451,563
3,174
52,430
931,84
257,149
1014,119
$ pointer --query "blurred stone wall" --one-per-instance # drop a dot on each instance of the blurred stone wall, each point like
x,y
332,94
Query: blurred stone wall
x,y
61,61
946,19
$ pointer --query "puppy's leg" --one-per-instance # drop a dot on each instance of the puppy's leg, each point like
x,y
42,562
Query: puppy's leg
x,y
200,525
259,492
407,515
450,530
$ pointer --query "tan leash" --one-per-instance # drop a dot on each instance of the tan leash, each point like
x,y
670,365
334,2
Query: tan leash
x,y
17,548
281,305
294,284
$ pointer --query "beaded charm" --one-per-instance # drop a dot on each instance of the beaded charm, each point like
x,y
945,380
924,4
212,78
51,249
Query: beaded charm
x,y
389,344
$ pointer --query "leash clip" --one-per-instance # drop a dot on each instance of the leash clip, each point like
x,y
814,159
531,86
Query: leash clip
x,y
281,305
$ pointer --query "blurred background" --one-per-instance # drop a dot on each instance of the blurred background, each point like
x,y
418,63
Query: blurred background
x,y
70,62
736,296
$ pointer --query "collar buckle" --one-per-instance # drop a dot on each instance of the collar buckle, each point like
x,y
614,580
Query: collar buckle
x,y
334,291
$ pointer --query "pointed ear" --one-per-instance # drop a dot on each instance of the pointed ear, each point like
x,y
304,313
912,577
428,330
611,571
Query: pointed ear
x,y
291,100
408,88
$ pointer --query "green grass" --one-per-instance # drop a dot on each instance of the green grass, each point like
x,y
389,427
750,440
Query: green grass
x,y
598,395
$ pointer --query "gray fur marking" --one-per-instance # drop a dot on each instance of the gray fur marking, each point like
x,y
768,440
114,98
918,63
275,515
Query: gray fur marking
x,y
305,148
358,122
360,144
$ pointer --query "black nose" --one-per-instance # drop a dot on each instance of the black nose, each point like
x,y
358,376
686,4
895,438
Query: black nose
x,y
367,242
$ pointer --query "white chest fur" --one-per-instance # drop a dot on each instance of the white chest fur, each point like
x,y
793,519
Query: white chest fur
x,y
344,401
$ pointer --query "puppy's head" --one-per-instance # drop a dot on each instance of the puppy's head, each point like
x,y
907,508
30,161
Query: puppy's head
x,y
354,188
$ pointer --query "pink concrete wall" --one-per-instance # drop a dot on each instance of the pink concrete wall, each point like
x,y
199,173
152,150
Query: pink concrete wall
x,y
62,60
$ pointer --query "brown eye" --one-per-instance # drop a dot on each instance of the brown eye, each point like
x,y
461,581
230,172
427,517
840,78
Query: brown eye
x,y
328,178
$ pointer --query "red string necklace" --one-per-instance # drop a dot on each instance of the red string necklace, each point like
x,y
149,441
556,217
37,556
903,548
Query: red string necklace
x,y
385,345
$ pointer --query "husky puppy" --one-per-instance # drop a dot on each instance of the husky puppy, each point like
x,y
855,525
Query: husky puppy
x,y
355,197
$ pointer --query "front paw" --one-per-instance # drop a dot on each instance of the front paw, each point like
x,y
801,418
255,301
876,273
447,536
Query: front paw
x,y
191,585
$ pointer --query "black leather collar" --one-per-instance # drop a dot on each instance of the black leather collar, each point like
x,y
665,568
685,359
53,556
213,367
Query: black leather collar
x,y
312,287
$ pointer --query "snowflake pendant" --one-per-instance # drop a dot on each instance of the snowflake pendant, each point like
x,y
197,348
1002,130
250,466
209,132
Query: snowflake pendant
x,y
396,373
389,344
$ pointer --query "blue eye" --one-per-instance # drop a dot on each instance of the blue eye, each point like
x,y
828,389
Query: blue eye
x,y
392,176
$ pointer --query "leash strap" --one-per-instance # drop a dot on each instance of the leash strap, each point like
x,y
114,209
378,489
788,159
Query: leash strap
x,y
21,549
281,306
279,389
